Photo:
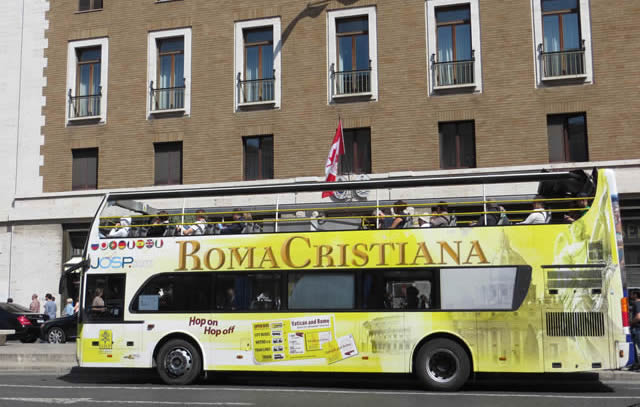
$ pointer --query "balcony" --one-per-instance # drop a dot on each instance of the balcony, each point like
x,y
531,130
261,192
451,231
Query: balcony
x,y
453,74
256,91
351,83
167,100
565,64
85,107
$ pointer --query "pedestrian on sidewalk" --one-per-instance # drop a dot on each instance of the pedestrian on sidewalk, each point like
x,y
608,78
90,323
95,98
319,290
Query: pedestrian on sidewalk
x,y
35,304
68,309
635,326
50,306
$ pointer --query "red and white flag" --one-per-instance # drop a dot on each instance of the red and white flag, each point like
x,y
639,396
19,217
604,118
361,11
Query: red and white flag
x,y
336,150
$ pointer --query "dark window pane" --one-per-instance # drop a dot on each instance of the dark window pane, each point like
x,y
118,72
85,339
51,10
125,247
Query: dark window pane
x,y
567,135
350,25
183,292
168,163
449,15
84,171
84,5
171,44
89,54
399,290
263,34
571,31
557,5
259,291
104,298
321,291
457,145
357,152
258,157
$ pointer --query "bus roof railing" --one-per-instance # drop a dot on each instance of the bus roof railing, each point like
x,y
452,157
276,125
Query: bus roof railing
x,y
385,183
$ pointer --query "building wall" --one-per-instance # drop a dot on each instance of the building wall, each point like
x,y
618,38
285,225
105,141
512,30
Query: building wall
x,y
510,113
22,44
36,262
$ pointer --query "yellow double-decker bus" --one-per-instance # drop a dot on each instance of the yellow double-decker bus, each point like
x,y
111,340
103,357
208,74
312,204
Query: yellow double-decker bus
x,y
265,278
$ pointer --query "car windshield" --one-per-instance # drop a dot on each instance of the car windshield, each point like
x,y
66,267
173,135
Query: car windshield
x,y
14,308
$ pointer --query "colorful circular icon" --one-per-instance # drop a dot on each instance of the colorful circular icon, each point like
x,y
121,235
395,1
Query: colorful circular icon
x,y
149,243
140,244
104,246
122,244
113,245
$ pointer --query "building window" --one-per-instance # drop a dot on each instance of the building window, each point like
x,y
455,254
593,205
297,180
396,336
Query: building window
x,y
84,172
357,152
86,102
87,80
562,33
457,145
454,62
84,5
258,158
168,163
353,53
453,45
168,93
567,137
257,63
258,68
169,71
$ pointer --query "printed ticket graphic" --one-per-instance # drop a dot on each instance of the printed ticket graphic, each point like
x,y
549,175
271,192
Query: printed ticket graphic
x,y
299,339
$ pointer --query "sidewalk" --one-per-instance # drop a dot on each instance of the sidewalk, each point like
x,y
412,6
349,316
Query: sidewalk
x,y
17,356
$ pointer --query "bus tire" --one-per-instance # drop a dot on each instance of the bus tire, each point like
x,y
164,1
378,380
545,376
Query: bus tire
x,y
442,365
179,362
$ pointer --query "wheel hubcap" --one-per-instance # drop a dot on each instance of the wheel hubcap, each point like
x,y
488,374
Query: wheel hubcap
x,y
442,365
55,336
178,362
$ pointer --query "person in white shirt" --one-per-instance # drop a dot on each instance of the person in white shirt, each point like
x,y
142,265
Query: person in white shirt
x,y
197,228
539,215
423,221
122,229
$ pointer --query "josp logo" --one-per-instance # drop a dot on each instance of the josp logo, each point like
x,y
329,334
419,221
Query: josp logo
x,y
115,262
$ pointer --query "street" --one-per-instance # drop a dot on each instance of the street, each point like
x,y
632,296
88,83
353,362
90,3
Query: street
x,y
95,387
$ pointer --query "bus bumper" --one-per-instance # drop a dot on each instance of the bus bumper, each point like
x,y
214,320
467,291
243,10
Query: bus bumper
x,y
625,353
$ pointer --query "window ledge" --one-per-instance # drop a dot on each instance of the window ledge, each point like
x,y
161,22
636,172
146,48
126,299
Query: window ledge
x,y
260,103
564,77
84,119
353,95
460,86
165,1
93,10
165,111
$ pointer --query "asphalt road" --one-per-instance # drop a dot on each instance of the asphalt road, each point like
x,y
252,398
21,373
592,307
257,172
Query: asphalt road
x,y
90,387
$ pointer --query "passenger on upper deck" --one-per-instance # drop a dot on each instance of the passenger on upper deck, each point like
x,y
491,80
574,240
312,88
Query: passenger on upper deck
x,y
399,209
423,221
235,227
539,215
442,218
121,229
159,223
581,206
198,227
492,215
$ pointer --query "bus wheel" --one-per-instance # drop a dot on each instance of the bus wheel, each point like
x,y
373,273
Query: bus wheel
x,y
178,362
442,364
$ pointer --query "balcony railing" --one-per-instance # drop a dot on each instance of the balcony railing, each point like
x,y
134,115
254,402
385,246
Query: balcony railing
x,y
453,73
257,90
84,106
167,98
565,63
351,82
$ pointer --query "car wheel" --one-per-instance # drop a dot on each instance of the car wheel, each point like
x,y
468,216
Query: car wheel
x,y
56,335
28,339
179,362
442,364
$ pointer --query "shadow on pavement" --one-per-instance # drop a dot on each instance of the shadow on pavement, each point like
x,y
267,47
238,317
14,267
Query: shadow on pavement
x,y
489,382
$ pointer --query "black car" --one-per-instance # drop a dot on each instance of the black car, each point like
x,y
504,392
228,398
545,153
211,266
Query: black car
x,y
22,320
59,330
